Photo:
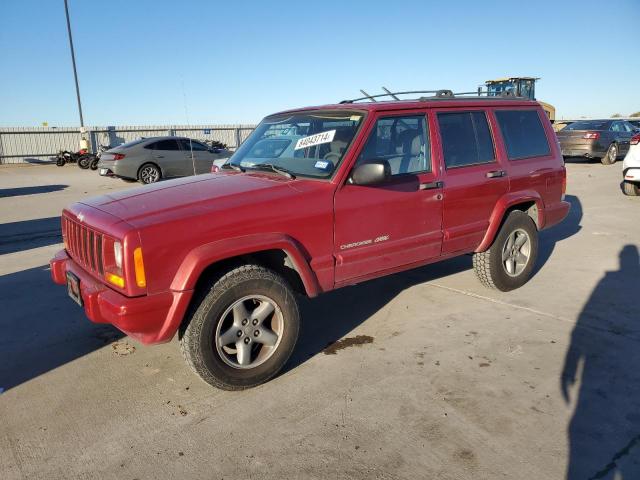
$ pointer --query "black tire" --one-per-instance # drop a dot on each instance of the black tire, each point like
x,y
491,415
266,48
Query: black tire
x,y
60,161
611,155
489,266
631,189
84,161
149,173
94,164
199,333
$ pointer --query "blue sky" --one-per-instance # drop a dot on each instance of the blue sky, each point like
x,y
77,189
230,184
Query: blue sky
x,y
170,62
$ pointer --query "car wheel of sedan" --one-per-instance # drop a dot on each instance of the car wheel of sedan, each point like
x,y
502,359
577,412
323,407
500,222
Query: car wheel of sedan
x,y
149,173
508,263
631,189
611,155
241,329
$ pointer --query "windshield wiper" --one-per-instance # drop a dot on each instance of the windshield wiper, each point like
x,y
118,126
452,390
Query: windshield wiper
x,y
237,168
282,171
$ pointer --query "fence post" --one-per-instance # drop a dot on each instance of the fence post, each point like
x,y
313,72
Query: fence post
x,y
237,137
1,157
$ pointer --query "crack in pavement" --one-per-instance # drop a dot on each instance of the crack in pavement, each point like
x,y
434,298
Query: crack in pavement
x,y
613,463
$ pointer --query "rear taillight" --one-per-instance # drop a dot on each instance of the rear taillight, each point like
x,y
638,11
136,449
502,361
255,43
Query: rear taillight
x,y
635,140
118,156
591,135
564,182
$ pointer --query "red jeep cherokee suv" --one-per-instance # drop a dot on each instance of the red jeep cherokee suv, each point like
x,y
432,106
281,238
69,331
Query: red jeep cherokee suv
x,y
315,199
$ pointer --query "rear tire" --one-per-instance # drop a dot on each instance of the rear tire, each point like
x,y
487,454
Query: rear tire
x,y
149,173
611,156
241,329
631,189
509,261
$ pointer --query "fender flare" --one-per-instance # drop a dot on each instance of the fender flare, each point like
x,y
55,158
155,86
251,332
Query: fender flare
x,y
505,203
206,255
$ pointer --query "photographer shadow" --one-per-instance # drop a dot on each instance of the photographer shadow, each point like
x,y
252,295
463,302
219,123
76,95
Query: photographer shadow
x,y
604,358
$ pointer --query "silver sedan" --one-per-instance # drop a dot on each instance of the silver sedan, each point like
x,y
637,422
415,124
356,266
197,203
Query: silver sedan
x,y
150,159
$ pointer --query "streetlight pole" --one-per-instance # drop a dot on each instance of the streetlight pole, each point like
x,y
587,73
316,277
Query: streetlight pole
x,y
73,61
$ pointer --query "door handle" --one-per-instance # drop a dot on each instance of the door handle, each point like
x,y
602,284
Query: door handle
x,y
159,156
496,174
431,186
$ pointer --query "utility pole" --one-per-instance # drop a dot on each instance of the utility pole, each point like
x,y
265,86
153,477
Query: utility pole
x,y
73,61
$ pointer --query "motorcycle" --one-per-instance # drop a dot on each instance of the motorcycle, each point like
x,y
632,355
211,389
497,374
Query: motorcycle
x,y
65,156
94,161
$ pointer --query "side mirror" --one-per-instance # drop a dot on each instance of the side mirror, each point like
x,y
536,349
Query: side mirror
x,y
371,173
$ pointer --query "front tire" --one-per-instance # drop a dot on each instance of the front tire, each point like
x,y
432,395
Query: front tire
x,y
611,156
149,173
509,262
631,189
241,329
84,162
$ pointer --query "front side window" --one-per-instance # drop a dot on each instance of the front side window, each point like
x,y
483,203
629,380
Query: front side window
x,y
523,133
466,139
402,141
617,127
310,144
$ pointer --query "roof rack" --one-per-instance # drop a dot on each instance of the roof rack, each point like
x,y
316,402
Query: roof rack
x,y
442,93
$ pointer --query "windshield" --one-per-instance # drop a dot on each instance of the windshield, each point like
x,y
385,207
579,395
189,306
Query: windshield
x,y
496,89
310,144
587,126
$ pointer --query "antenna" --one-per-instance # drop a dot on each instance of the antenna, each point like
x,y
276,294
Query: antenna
x,y
186,114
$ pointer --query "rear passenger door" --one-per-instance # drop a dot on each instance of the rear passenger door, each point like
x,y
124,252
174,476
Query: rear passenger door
x,y
197,156
474,178
168,156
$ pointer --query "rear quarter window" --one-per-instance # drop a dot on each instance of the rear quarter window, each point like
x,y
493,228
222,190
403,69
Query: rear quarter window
x,y
523,134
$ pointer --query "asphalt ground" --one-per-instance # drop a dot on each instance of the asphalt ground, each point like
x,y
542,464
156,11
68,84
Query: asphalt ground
x,y
423,374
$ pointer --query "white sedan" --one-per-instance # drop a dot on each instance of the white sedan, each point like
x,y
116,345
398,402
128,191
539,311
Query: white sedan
x,y
631,168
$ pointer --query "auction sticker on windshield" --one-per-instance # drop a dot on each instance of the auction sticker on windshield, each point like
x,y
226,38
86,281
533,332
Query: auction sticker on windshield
x,y
317,139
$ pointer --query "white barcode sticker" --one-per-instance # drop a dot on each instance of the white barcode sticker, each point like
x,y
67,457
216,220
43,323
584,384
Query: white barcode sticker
x,y
317,139
323,164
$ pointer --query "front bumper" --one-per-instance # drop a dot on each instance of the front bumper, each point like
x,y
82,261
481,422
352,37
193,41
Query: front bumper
x,y
632,174
149,319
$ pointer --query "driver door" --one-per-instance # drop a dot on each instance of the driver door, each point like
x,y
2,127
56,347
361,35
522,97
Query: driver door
x,y
395,223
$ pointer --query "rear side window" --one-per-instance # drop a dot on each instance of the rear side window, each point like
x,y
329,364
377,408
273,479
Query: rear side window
x,y
192,145
164,145
523,133
466,139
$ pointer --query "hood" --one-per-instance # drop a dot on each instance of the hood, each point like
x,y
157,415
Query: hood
x,y
192,196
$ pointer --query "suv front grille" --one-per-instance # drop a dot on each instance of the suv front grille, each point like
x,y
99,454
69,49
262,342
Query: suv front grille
x,y
84,245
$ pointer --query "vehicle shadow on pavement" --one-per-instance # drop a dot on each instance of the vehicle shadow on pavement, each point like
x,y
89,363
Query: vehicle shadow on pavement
x,y
333,315
19,191
42,329
565,229
27,234
603,358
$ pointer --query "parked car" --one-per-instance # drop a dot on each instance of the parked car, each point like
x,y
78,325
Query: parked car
x,y
631,168
315,199
605,140
150,159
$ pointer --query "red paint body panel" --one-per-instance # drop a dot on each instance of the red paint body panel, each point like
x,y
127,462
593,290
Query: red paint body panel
x,y
333,232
